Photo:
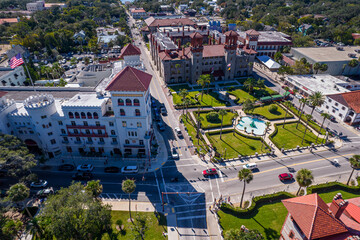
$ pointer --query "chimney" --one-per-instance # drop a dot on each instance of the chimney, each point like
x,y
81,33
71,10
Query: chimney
x,y
179,45
338,205
219,40
209,40
183,28
178,29
168,34
183,52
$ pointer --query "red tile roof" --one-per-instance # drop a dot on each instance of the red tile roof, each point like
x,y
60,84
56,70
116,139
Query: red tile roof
x,y
2,93
196,35
131,80
129,50
349,99
8,20
355,35
250,51
231,33
252,32
353,211
137,11
213,51
171,22
313,217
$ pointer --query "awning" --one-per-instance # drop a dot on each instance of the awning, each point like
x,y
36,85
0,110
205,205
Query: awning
x,y
268,62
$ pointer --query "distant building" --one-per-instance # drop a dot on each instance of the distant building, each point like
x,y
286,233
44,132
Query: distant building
x,y
154,23
79,35
304,28
60,5
232,26
35,6
215,25
336,58
8,20
138,13
16,50
190,12
310,218
183,7
12,77
166,8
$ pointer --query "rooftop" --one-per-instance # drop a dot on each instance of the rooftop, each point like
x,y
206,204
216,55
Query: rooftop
x,y
324,83
152,22
349,99
8,20
130,50
85,100
269,36
328,54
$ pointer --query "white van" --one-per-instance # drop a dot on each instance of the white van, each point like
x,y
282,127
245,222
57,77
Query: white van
x,y
130,169
250,166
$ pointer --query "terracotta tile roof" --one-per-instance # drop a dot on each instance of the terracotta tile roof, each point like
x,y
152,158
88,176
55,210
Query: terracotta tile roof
x,y
252,32
196,35
169,22
131,80
353,211
2,93
231,33
312,215
137,11
145,29
250,51
8,20
349,99
213,51
355,35
129,50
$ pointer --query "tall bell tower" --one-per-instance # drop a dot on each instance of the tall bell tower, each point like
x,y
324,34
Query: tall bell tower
x,y
231,38
196,56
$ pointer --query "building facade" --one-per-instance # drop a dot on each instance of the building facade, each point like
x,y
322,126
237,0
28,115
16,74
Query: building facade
x,y
12,77
113,123
35,6
223,60
138,13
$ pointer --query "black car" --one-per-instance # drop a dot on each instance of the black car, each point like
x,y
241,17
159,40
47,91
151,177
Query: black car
x,y
66,167
111,169
82,176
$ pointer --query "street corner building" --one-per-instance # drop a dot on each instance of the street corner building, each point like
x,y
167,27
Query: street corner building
x,y
223,57
114,122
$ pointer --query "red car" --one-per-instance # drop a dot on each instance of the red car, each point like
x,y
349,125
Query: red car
x,y
285,176
209,172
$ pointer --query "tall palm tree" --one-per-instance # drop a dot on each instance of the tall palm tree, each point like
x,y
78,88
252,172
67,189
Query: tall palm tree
x,y
18,193
128,186
324,67
94,187
316,100
222,113
183,94
303,102
249,84
308,118
267,124
354,163
304,178
202,81
316,67
246,176
248,106
236,114
187,102
325,116
287,105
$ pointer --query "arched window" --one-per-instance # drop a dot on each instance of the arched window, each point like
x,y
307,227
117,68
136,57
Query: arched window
x,y
113,132
127,141
96,115
128,102
71,115
120,102
89,116
77,115
137,112
83,115
136,102
122,112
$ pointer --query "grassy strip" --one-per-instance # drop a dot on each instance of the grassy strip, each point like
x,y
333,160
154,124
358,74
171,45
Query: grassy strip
x,y
191,129
177,88
205,124
264,111
211,99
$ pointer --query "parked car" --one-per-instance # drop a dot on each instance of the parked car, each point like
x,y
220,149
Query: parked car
x,y
85,168
161,126
318,110
157,117
43,193
250,166
111,169
174,153
332,118
130,169
298,96
178,132
285,176
163,111
39,184
66,167
210,172
82,176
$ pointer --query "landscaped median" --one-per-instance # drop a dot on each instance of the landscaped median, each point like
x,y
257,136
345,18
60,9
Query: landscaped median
x,y
191,130
241,94
231,146
267,213
290,137
214,121
268,111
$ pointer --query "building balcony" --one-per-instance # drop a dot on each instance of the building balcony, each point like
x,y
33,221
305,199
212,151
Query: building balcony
x,y
120,104
65,142
85,127
134,146
102,143
87,135
136,104
128,104
114,143
89,142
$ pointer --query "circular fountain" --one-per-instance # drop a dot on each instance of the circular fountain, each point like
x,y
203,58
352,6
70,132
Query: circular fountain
x,y
252,125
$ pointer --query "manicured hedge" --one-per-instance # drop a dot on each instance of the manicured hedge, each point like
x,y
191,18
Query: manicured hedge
x,y
333,186
255,204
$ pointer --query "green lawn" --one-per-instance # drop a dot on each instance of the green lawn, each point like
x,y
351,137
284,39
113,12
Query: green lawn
x,y
291,137
191,129
235,145
228,84
257,93
205,88
205,124
156,226
242,95
328,196
312,124
264,111
210,99
268,219
177,88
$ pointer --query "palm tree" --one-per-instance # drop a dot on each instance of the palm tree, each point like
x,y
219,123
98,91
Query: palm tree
x,y
187,102
222,113
18,193
248,106
183,94
353,63
94,187
316,100
236,114
308,118
45,70
198,125
304,178
354,163
56,68
247,176
287,105
324,67
249,84
325,116
128,186
303,102
267,124
202,81
316,67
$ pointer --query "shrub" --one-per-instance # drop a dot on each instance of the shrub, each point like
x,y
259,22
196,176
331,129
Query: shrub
x,y
273,108
213,117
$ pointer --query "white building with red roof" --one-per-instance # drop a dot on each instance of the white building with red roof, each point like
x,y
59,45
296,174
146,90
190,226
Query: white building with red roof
x,y
310,218
138,13
112,123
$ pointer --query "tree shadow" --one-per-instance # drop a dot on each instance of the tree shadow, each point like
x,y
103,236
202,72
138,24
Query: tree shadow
x,y
269,232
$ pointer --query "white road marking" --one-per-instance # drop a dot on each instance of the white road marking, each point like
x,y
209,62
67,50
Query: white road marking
x,y
167,197
190,217
158,186
185,165
221,176
194,210
217,183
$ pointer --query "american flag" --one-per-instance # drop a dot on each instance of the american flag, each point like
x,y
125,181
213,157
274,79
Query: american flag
x,y
16,61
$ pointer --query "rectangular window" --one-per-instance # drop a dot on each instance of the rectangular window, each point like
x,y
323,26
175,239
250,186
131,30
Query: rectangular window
x,y
50,133
65,139
97,123
114,140
89,139
138,124
43,117
87,131
111,124
21,132
124,123
73,123
31,132
52,141
99,131
141,142
101,140
68,149
50,124
85,123
78,139
63,131
76,131
60,123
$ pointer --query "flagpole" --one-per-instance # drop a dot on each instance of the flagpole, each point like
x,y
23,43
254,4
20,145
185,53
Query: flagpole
x,y
32,83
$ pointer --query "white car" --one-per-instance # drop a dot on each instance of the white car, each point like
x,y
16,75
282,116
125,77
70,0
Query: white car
x,y
318,110
39,184
85,168
298,96
250,166
174,153
130,169
178,132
